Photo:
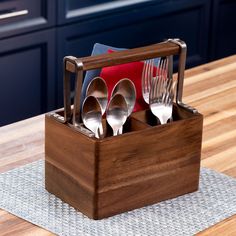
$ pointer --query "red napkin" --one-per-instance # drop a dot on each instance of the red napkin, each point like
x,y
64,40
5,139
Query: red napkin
x,y
132,71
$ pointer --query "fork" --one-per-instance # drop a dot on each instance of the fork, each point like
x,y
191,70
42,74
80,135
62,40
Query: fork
x,y
162,95
148,74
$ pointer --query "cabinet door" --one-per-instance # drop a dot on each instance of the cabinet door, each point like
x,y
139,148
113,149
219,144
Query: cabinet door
x,y
27,81
72,10
183,19
21,16
224,25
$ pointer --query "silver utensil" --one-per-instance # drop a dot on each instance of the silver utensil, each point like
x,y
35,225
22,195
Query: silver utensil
x,y
98,88
161,96
117,113
92,114
126,88
147,76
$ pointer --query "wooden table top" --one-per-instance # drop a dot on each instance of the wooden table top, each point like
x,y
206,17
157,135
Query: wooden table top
x,y
211,88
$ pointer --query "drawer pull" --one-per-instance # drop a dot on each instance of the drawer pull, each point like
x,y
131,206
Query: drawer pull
x,y
13,14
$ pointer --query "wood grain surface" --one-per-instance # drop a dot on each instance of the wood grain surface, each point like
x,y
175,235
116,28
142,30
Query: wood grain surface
x,y
99,181
210,88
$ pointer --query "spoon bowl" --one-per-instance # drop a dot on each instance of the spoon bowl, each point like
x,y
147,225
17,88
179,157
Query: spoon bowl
x,y
92,114
117,113
98,88
126,88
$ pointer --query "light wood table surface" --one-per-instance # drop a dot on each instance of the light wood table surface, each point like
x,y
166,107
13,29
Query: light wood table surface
x,y
211,88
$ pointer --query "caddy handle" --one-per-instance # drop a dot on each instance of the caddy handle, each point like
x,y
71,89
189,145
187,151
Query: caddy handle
x,y
130,55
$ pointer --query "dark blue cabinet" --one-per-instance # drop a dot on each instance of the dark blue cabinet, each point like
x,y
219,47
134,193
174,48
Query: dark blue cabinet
x,y
27,76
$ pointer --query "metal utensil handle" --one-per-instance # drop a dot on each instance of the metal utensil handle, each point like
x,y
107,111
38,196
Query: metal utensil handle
x,y
14,14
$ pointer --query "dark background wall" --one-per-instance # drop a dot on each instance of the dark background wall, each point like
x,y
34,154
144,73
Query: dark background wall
x,y
33,44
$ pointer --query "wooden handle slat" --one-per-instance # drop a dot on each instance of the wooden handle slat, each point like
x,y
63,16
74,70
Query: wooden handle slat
x,y
126,56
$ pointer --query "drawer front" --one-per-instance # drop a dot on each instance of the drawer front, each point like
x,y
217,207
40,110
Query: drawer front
x,y
19,16
27,81
72,10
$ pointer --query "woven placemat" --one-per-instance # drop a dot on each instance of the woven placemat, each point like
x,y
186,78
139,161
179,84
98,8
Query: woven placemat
x,y
22,193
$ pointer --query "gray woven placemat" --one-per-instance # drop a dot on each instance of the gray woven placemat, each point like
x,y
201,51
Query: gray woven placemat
x,y
22,193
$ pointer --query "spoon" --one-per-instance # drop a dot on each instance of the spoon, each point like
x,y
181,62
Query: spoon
x,y
98,88
126,88
92,114
117,113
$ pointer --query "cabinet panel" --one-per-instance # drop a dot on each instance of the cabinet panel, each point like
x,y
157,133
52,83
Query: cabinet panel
x,y
27,76
188,21
20,16
223,31
72,10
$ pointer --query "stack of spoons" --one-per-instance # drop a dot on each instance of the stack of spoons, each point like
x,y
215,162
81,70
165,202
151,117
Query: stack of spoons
x,y
116,110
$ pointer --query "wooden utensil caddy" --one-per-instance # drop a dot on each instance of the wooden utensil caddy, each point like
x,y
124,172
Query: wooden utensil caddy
x,y
147,164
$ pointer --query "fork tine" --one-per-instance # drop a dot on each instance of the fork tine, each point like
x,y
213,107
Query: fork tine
x,y
152,89
168,91
171,91
145,76
166,83
158,90
162,78
166,67
158,66
164,72
156,87
151,74
156,81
